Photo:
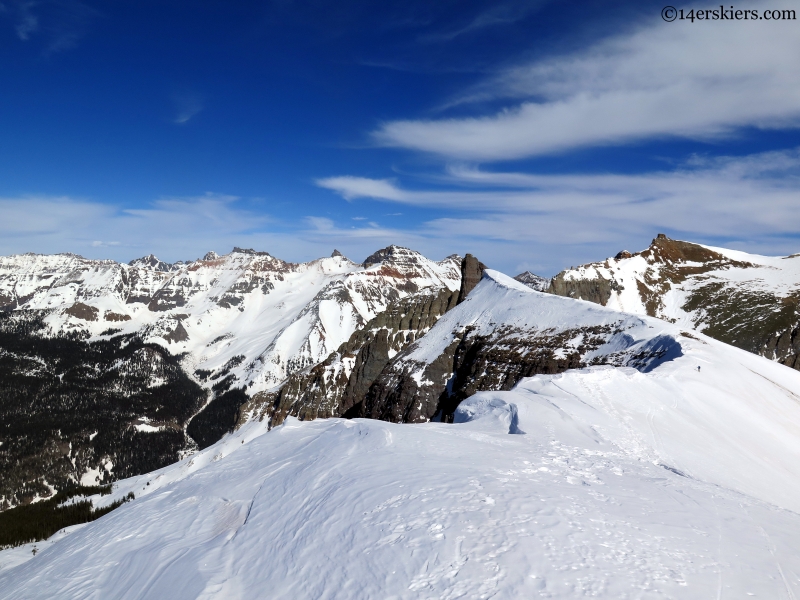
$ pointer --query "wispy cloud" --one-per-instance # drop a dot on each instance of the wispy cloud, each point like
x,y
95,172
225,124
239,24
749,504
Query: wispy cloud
x,y
656,80
511,220
27,22
748,202
500,14
187,106
60,24
183,229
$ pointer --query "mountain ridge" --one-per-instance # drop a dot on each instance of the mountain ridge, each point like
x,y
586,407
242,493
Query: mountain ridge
x,y
746,300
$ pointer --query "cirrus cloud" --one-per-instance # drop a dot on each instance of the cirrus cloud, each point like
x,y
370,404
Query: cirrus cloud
x,y
693,80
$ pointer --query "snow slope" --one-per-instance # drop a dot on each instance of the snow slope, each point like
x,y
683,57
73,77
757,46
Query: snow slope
x,y
246,313
747,300
606,481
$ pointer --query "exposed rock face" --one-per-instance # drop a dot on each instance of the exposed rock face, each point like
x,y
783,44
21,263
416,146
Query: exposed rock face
x,y
471,273
749,301
82,311
784,347
533,281
241,324
337,386
597,290
151,262
501,333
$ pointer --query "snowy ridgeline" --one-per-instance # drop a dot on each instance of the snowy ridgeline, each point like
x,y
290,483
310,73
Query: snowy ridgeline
x,y
608,482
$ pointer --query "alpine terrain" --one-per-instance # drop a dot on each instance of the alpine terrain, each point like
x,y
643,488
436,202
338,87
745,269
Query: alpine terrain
x,y
621,456
749,301
108,370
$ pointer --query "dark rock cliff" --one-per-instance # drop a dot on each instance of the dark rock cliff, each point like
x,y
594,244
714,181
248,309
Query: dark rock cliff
x,y
471,273
471,363
331,389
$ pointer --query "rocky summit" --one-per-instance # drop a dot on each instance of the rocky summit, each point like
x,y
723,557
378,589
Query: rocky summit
x,y
746,300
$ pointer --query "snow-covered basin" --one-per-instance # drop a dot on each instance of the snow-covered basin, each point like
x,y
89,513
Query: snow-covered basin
x,y
600,482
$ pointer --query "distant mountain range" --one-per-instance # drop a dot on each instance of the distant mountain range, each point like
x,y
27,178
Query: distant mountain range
x,y
633,457
93,350
109,370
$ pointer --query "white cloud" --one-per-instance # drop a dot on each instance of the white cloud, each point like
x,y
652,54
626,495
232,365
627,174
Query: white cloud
x,y
512,221
694,80
177,228
361,187
749,202
184,229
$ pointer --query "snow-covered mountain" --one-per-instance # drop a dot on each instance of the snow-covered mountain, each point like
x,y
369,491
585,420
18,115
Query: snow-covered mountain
x,y
644,477
747,300
84,344
504,331
533,281
249,314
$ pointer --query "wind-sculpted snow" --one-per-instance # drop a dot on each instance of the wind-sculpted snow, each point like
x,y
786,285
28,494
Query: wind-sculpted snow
x,y
605,482
747,300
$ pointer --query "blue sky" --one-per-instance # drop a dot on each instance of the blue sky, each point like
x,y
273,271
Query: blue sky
x,y
536,135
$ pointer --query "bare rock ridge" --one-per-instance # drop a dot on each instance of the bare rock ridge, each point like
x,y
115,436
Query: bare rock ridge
x,y
749,301
342,384
337,386
471,273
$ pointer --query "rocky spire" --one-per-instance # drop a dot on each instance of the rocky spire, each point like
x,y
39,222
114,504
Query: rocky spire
x,y
471,273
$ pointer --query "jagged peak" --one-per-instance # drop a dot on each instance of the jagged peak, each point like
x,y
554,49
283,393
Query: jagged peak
x,y
533,281
336,253
391,251
151,261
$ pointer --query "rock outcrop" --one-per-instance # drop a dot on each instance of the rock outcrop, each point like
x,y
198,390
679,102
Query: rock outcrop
x,y
471,272
749,301
501,333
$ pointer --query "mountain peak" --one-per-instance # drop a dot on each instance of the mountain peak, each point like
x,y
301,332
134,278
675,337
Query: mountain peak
x,y
533,281
237,250
392,251
151,261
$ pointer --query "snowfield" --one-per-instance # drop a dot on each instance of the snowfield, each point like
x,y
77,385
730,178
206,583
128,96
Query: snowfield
x,y
601,482
604,481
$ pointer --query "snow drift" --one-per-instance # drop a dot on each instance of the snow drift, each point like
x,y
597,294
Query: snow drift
x,y
606,481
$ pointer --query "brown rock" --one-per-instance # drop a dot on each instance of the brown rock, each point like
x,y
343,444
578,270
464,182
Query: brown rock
x,y
471,273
